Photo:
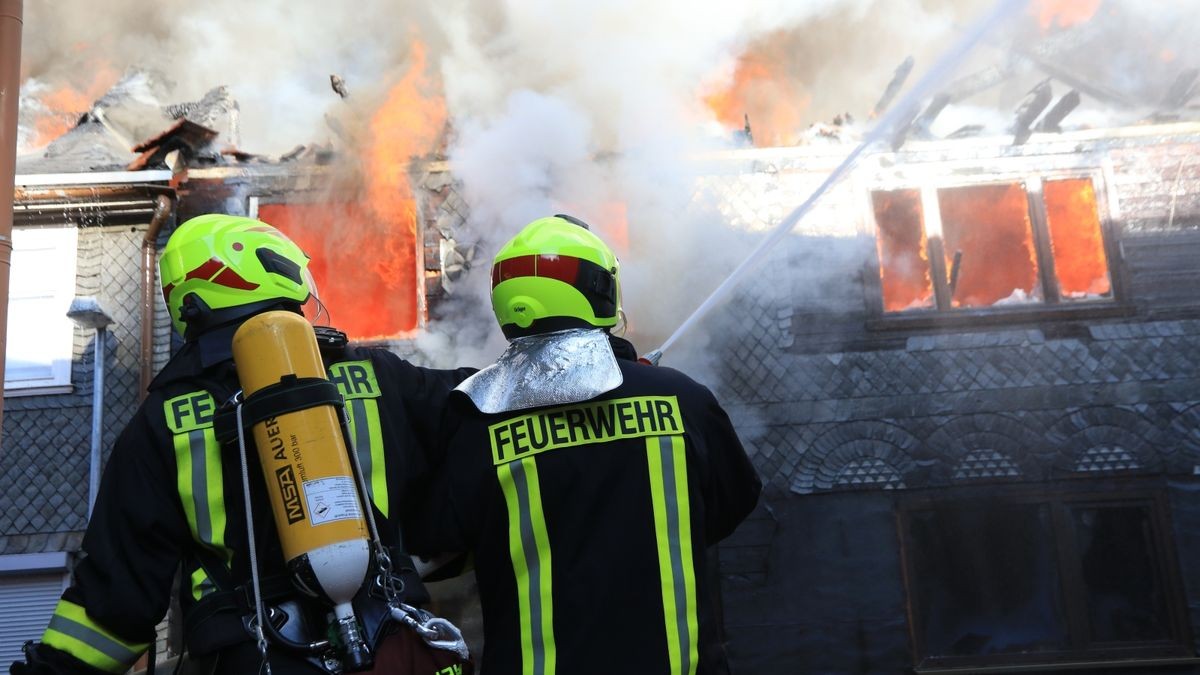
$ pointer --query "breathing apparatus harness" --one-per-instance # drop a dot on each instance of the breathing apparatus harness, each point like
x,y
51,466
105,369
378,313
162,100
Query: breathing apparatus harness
x,y
293,394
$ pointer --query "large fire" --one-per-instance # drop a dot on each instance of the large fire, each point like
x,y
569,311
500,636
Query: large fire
x,y
346,243
62,105
763,91
366,261
904,269
990,225
1075,239
990,254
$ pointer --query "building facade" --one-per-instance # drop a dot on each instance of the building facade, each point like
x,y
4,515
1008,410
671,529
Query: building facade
x,y
995,473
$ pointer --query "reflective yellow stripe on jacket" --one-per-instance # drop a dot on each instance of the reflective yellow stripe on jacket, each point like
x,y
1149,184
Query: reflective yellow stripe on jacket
x,y
529,548
515,444
72,631
356,381
199,477
667,458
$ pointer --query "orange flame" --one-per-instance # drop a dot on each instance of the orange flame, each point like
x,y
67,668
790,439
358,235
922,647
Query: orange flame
x,y
1075,239
409,123
1063,13
904,265
762,89
990,225
989,228
63,105
365,254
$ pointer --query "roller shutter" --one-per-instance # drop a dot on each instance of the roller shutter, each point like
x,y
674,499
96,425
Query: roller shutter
x,y
26,603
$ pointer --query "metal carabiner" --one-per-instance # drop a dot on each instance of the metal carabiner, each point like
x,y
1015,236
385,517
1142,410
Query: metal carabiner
x,y
435,631
441,634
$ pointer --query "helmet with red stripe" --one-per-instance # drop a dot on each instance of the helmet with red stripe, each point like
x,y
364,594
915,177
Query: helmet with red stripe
x,y
216,269
555,274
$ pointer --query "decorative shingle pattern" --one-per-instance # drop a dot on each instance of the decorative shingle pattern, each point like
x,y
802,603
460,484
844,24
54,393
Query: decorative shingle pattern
x,y
985,463
1106,459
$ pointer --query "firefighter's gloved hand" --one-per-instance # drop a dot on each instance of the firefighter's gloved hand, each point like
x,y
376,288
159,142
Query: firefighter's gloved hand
x,y
33,663
36,663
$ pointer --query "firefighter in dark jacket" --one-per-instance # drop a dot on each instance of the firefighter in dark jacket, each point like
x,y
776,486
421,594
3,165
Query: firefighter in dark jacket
x,y
171,498
587,486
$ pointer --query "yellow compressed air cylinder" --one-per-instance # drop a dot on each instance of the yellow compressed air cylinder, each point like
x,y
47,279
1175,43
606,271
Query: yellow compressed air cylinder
x,y
317,509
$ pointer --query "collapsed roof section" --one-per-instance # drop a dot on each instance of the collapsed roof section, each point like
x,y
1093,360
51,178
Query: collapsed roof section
x,y
1124,64
132,128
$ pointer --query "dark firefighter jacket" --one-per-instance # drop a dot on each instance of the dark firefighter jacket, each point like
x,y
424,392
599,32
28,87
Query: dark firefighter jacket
x,y
167,499
589,525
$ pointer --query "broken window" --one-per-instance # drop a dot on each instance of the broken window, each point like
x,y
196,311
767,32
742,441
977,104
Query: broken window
x,y
905,279
1019,578
990,245
1073,219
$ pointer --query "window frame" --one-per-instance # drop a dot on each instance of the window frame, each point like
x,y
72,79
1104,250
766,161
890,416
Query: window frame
x,y
1051,306
1060,499
66,244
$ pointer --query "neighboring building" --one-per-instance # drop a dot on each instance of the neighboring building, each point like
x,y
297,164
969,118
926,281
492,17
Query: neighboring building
x,y
68,242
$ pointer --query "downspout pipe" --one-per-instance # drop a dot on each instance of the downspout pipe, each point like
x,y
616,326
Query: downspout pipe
x,y
164,205
101,340
11,21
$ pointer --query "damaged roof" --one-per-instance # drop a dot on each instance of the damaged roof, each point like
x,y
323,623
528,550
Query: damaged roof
x,y
130,128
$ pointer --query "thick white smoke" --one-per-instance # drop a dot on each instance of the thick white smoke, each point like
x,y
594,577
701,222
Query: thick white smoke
x,y
594,109
275,55
575,106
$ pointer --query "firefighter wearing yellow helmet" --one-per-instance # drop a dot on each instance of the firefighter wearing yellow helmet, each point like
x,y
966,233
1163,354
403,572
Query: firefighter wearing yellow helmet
x,y
218,269
586,485
172,494
555,274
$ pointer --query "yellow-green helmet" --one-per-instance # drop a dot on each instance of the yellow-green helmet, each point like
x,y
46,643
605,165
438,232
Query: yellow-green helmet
x,y
217,268
555,274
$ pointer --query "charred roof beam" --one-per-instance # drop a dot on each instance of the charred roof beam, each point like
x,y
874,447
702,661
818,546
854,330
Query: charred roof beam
x,y
1035,102
1052,120
893,86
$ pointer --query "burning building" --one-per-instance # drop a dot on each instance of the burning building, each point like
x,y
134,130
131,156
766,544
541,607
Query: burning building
x,y
975,471
968,381
967,377
92,209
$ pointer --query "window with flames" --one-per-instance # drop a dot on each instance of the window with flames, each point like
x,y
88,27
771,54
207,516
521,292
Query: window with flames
x,y
365,268
1019,244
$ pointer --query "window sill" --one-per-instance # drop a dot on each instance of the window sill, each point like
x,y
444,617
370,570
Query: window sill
x,y
1090,666
39,391
970,318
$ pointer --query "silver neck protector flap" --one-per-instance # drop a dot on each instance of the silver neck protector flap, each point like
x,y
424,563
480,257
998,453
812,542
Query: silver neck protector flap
x,y
556,368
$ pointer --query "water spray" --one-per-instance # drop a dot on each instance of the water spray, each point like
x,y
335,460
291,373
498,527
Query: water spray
x,y
927,85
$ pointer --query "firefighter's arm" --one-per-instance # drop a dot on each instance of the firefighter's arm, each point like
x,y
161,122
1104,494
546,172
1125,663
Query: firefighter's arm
x,y
732,485
122,583
425,392
433,524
